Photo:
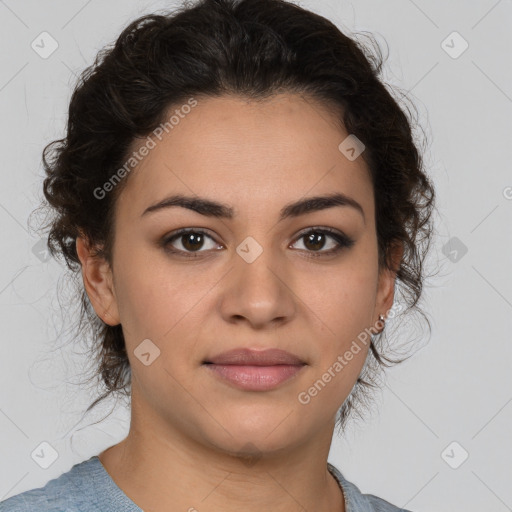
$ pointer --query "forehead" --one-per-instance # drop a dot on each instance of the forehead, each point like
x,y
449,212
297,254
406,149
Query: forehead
x,y
253,155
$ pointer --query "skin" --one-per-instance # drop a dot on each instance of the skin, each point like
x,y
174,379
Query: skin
x,y
188,428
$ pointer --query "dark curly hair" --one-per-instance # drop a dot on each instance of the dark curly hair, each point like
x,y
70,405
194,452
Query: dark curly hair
x,y
253,49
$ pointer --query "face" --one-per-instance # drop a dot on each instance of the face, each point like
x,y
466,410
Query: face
x,y
303,280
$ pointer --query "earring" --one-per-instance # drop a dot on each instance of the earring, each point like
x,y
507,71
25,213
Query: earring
x,y
382,319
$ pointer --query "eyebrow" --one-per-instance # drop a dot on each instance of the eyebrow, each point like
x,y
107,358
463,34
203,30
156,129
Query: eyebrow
x,y
211,208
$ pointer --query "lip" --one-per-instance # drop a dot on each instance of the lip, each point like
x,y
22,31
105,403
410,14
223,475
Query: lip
x,y
255,370
247,356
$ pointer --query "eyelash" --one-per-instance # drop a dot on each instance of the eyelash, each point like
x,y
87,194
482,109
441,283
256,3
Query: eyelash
x,y
344,242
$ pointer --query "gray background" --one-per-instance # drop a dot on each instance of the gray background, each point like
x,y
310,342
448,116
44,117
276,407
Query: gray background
x,y
457,388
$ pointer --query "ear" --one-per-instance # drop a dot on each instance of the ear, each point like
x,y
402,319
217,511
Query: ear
x,y
386,284
98,282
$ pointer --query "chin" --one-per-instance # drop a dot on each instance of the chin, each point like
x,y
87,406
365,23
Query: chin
x,y
253,439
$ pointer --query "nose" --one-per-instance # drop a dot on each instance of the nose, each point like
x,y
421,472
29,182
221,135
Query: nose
x,y
258,292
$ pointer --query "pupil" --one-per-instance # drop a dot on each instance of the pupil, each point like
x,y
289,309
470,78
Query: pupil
x,y
319,237
195,238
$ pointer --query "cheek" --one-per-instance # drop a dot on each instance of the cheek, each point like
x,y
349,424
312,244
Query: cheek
x,y
341,347
340,306
162,307
342,297
157,300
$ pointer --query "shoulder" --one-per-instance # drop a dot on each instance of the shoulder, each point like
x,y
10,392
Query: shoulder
x,y
356,501
70,492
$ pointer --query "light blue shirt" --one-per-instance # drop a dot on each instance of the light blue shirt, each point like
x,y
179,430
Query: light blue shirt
x,y
87,487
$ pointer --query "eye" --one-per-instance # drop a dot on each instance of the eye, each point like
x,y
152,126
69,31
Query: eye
x,y
315,240
190,240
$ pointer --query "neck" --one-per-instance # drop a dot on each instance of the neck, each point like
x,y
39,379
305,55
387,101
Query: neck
x,y
160,468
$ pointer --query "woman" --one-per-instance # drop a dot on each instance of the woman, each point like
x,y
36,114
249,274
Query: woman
x,y
241,195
